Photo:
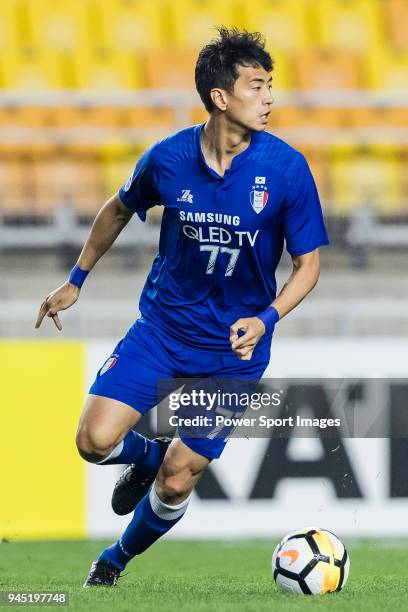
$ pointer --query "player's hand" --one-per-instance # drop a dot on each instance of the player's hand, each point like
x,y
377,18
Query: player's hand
x,y
60,299
243,346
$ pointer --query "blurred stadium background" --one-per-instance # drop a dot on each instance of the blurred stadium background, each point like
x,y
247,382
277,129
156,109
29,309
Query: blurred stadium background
x,y
85,87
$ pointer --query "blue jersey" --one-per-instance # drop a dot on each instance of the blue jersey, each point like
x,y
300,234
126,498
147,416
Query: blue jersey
x,y
221,237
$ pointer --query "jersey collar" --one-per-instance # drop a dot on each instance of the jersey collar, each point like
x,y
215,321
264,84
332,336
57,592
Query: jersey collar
x,y
237,160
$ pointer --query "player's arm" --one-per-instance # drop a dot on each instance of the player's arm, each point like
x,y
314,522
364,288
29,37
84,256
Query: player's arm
x,y
305,274
108,224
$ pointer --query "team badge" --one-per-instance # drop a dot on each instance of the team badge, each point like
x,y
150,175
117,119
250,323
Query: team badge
x,y
258,200
108,365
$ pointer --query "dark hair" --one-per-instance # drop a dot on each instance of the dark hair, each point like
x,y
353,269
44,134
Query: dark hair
x,y
218,60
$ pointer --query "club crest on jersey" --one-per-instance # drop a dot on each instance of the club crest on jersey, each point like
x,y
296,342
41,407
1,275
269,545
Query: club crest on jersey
x,y
258,200
109,363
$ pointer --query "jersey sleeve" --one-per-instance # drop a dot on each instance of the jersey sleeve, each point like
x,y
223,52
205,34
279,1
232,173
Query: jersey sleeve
x,y
140,192
304,228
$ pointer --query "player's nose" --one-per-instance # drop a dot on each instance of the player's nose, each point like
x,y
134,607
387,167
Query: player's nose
x,y
270,99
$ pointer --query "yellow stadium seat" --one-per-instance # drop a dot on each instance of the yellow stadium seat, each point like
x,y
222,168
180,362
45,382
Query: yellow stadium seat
x,y
284,23
133,25
282,74
173,70
387,69
192,21
18,192
379,117
12,192
108,69
11,116
58,25
100,116
368,176
198,115
318,161
355,25
307,116
8,26
31,70
117,161
66,180
397,21
327,70
148,117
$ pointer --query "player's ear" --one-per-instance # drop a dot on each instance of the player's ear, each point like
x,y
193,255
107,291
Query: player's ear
x,y
219,98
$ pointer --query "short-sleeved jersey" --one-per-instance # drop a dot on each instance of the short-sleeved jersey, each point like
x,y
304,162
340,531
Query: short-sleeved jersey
x,y
221,237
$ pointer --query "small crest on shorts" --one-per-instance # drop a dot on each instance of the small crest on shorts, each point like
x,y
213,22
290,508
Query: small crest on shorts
x,y
108,365
128,183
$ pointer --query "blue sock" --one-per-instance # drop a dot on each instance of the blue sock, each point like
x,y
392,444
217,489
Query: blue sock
x,y
137,449
152,519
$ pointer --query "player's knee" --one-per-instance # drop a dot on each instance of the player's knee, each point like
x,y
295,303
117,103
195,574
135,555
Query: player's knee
x,y
174,482
172,490
94,445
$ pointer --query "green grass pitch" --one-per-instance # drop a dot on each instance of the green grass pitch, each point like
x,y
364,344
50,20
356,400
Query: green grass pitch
x,y
208,576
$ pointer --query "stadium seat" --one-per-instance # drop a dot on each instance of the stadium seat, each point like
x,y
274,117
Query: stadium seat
x,y
146,117
396,14
12,186
25,116
66,180
327,70
117,161
387,69
379,116
199,115
284,23
355,25
8,26
368,176
318,161
282,74
108,69
58,25
192,22
77,116
173,70
133,25
31,70
307,116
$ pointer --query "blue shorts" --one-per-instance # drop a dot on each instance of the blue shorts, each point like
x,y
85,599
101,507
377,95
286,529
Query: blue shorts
x,y
145,356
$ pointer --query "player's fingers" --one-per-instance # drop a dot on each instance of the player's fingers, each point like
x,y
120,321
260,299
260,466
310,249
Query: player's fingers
x,y
246,357
52,314
41,314
57,322
245,350
240,324
244,340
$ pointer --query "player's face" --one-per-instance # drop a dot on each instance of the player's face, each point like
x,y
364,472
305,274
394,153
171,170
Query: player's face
x,y
250,102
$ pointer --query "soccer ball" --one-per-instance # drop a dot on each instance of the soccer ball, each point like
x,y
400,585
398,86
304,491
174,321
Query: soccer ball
x,y
310,561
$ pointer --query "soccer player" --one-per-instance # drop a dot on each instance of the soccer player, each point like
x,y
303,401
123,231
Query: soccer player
x,y
232,194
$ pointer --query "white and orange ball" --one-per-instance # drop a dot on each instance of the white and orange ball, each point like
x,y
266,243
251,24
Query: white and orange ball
x,y
310,561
